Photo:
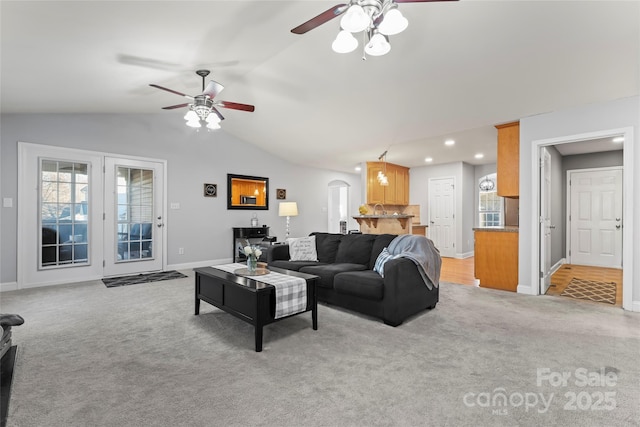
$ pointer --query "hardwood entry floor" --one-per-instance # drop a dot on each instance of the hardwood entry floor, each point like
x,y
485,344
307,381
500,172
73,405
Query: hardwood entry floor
x,y
461,271
561,278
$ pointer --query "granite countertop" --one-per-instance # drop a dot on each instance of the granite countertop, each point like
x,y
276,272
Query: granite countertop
x,y
390,216
507,229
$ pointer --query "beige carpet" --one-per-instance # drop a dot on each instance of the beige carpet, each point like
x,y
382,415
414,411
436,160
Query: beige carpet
x,y
591,290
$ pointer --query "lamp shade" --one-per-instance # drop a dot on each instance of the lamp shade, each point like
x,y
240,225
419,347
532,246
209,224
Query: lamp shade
x,y
288,209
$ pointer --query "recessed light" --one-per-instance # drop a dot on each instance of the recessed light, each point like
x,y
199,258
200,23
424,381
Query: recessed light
x,y
428,159
358,168
449,142
479,156
618,139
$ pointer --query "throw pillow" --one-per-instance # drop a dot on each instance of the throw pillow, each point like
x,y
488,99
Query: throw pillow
x,y
302,248
381,261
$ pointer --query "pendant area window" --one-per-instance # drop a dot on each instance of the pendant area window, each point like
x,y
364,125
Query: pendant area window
x,y
490,209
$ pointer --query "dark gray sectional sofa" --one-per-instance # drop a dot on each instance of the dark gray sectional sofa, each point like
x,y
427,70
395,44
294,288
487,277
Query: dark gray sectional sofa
x,y
347,278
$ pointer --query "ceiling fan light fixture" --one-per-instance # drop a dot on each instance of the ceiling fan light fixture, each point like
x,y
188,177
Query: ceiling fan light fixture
x,y
191,115
213,125
344,42
378,45
393,23
213,118
194,123
355,19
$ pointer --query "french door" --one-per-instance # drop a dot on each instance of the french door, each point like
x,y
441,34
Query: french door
x,y
133,231
83,215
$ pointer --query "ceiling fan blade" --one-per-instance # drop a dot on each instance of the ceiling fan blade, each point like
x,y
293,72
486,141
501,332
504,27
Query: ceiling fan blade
x,y
172,91
236,106
325,16
172,107
420,1
213,89
217,113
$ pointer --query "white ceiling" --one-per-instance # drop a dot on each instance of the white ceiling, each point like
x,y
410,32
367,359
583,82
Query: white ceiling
x,y
459,68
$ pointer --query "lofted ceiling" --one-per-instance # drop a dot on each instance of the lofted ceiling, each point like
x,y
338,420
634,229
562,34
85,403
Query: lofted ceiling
x,y
459,68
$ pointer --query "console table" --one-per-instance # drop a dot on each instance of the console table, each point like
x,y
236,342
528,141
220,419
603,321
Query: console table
x,y
246,233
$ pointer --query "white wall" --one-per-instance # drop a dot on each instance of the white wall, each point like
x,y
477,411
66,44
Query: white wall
x,y
618,114
202,225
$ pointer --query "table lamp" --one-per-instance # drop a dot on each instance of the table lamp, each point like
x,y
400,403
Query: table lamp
x,y
288,209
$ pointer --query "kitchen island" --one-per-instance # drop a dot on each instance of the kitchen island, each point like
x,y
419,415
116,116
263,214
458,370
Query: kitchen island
x,y
385,224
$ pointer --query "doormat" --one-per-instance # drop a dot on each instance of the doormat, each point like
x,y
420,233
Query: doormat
x,y
113,282
591,290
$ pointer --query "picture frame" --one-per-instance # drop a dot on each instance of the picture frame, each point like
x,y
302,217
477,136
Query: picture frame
x,y
210,190
281,194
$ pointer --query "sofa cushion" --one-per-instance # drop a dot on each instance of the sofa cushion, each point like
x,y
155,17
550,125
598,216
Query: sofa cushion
x,y
355,249
302,248
382,260
327,246
292,265
327,272
381,242
363,284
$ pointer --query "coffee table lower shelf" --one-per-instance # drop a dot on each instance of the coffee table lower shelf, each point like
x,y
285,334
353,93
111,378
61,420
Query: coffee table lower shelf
x,y
248,299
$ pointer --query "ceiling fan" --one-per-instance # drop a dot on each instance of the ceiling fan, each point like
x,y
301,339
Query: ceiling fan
x,y
203,108
377,18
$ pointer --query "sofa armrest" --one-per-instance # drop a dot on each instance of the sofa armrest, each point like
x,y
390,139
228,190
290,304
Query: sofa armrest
x,y
405,291
278,252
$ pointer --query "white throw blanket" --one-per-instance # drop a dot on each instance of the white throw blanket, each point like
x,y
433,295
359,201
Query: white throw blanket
x,y
422,252
291,292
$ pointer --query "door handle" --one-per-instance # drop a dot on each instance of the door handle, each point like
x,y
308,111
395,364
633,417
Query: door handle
x,y
618,219
618,227
552,226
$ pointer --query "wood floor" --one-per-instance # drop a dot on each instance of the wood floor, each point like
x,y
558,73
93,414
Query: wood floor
x,y
462,271
563,276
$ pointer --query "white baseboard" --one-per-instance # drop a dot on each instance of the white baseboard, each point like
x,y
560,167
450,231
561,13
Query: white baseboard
x,y
527,290
635,306
9,286
198,264
464,255
557,265
14,285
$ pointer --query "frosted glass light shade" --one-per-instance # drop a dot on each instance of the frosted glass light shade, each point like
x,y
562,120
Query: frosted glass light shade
x,y
194,123
344,42
378,45
213,125
355,19
393,23
191,115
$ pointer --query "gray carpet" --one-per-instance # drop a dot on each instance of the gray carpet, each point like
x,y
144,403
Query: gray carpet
x,y
137,356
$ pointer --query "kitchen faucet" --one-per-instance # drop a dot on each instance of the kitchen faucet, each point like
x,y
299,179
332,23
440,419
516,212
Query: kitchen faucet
x,y
376,207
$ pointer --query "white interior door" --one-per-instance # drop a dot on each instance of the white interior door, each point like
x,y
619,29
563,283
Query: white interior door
x,y
338,206
442,230
134,216
595,217
545,220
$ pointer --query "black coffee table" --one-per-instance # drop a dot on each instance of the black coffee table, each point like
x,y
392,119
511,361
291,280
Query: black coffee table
x,y
247,298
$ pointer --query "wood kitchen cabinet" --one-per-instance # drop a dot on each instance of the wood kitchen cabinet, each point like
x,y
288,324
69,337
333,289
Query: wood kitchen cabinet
x,y
508,165
496,258
396,193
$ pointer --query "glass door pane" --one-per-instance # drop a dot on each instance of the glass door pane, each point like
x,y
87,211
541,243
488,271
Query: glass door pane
x,y
64,213
134,229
